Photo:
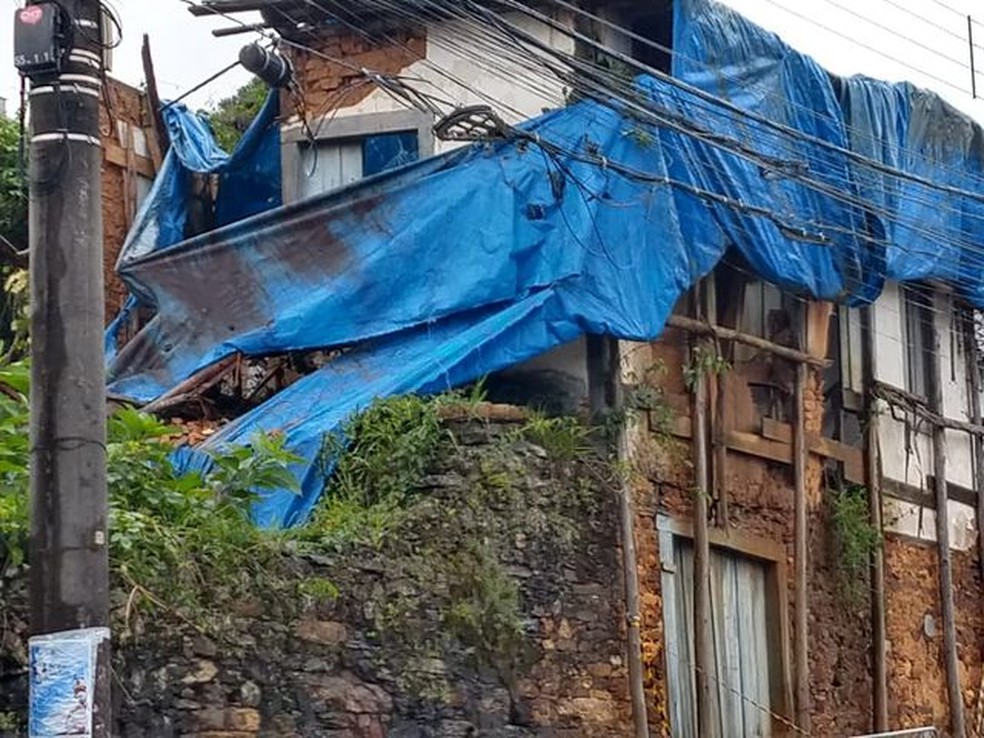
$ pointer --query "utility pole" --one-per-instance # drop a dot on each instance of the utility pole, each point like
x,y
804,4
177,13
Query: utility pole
x,y
59,47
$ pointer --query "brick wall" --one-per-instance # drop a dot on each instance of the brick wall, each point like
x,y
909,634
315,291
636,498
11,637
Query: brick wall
x,y
327,84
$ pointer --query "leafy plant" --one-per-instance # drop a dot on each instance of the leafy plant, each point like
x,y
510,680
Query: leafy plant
x,y
390,445
9,723
485,606
855,537
179,539
232,116
239,471
704,362
13,188
563,438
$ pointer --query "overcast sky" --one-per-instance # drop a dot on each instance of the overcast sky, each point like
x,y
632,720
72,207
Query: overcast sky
x,y
924,41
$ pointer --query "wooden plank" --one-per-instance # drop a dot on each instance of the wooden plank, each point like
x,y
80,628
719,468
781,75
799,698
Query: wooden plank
x,y
754,445
153,98
818,328
116,155
852,457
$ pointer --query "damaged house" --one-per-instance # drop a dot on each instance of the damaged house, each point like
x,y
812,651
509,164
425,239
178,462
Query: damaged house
x,y
651,211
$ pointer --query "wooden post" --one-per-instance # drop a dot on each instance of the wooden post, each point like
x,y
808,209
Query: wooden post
x,y
957,721
719,443
973,360
800,534
703,641
154,100
605,387
873,480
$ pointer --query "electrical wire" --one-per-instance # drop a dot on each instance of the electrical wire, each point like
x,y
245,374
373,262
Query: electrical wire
x,y
433,15
860,16
209,80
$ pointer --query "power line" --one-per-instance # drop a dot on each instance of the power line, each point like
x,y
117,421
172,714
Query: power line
x,y
866,47
855,203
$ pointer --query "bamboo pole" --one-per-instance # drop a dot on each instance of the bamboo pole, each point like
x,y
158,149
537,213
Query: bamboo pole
x,y
703,643
974,357
729,334
718,431
630,565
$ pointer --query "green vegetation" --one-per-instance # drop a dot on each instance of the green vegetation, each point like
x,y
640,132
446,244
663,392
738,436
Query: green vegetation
x,y
13,227
13,189
416,531
231,117
705,361
855,538
180,540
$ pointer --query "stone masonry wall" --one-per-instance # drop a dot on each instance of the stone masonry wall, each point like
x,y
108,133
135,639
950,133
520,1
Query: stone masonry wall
x,y
386,656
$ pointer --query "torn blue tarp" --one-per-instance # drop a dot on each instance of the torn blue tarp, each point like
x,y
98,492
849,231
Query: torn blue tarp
x,y
250,182
249,179
590,220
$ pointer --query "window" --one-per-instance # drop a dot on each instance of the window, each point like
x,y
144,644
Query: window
x,y
851,349
333,164
749,682
349,148
918,308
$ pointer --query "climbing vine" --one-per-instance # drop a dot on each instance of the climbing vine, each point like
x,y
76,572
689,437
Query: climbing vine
x,y
855,539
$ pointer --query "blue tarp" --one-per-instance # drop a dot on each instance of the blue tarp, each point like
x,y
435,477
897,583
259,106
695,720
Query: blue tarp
x,y
249,183
593,220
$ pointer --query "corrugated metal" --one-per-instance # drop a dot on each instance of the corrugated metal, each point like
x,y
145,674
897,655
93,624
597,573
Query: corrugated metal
x,y
740,684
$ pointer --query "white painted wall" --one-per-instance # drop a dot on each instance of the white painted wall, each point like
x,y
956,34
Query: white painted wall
x,y
907,457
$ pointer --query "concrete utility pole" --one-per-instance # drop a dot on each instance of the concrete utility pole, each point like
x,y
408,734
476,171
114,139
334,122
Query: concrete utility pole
x,y
69,564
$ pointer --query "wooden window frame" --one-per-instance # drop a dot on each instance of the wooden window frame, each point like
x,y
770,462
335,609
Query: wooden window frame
x,y
773,556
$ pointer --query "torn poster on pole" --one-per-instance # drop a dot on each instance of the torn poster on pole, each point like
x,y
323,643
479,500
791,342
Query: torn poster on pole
x,y
63,682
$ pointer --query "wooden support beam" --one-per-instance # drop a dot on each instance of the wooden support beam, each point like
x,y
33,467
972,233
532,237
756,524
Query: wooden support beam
x,y
728,334
818,328
719,405
913,403
873,480
973,361
800,553
193,386
153,98
850,456
703,641
954,693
